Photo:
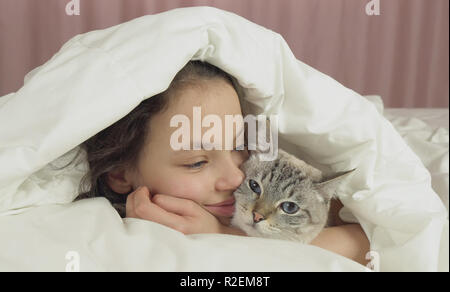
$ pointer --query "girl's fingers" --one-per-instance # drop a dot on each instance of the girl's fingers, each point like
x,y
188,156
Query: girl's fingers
x,y
182,207
129,206
140,206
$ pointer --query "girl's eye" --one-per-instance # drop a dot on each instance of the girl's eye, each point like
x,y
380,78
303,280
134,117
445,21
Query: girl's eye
x,y
289,207
196,165
240,148
254,186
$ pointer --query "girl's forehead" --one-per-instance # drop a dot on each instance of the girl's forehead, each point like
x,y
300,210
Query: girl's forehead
x,y
215,100
216,97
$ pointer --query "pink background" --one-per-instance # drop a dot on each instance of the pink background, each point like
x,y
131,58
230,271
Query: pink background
x,y
401,54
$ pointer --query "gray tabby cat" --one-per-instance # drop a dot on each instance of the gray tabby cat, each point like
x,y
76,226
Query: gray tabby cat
x,y
284,198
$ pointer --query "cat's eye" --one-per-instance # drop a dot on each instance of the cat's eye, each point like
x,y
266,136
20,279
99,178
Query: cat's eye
x,y
289,207
254,186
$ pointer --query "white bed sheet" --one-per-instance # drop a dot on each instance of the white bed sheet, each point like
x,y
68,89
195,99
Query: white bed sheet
x,y
434,118
426,131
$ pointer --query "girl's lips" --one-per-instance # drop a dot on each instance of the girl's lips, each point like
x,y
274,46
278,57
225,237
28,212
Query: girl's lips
x,y
225,208
224,203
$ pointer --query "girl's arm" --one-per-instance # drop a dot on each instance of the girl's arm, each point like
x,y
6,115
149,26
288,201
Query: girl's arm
x,y
348,240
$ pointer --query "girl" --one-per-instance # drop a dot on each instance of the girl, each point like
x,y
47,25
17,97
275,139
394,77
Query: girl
x,y
133,166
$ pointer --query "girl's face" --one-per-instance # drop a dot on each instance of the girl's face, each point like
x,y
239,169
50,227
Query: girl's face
x,y
207,177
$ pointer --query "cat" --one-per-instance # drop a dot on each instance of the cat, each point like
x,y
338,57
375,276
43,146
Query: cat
x,y
283,199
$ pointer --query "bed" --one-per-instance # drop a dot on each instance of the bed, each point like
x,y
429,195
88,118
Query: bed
x,y
426,131
61,104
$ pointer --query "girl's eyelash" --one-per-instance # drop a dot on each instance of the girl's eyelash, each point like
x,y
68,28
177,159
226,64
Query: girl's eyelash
x,y
199,164
196,165
241,146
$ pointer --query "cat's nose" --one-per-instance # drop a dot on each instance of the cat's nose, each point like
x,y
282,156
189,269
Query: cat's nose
x,y
257,217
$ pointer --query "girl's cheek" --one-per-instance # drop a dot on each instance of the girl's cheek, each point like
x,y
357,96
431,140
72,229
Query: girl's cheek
x,y
192,188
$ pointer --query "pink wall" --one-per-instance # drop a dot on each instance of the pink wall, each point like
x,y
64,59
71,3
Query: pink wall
x,y
401,54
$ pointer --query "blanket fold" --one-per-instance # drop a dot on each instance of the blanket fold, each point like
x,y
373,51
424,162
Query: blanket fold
x,y
98,77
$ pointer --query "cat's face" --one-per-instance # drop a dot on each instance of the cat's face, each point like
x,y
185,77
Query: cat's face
x,y
285,199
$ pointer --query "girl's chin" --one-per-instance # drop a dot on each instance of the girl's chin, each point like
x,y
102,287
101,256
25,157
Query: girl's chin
x,y
224,220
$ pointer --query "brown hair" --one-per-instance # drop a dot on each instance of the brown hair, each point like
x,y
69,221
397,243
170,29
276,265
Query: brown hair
x,y
119,145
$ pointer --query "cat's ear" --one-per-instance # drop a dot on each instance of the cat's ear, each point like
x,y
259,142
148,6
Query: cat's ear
x,y
263,143
328,185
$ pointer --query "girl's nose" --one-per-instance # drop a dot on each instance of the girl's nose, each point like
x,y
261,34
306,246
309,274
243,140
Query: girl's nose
x,y
230,178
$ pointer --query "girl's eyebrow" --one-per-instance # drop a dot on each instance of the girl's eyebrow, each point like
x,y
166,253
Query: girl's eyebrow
x,y
183,152
199,146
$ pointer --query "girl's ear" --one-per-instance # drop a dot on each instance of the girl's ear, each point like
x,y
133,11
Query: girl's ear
x,y
119,182
328,186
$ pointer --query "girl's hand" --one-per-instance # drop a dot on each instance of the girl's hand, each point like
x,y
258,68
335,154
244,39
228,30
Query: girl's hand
x,y
180,214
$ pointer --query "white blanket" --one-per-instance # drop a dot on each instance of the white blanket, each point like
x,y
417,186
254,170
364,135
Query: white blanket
x,y
98,77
